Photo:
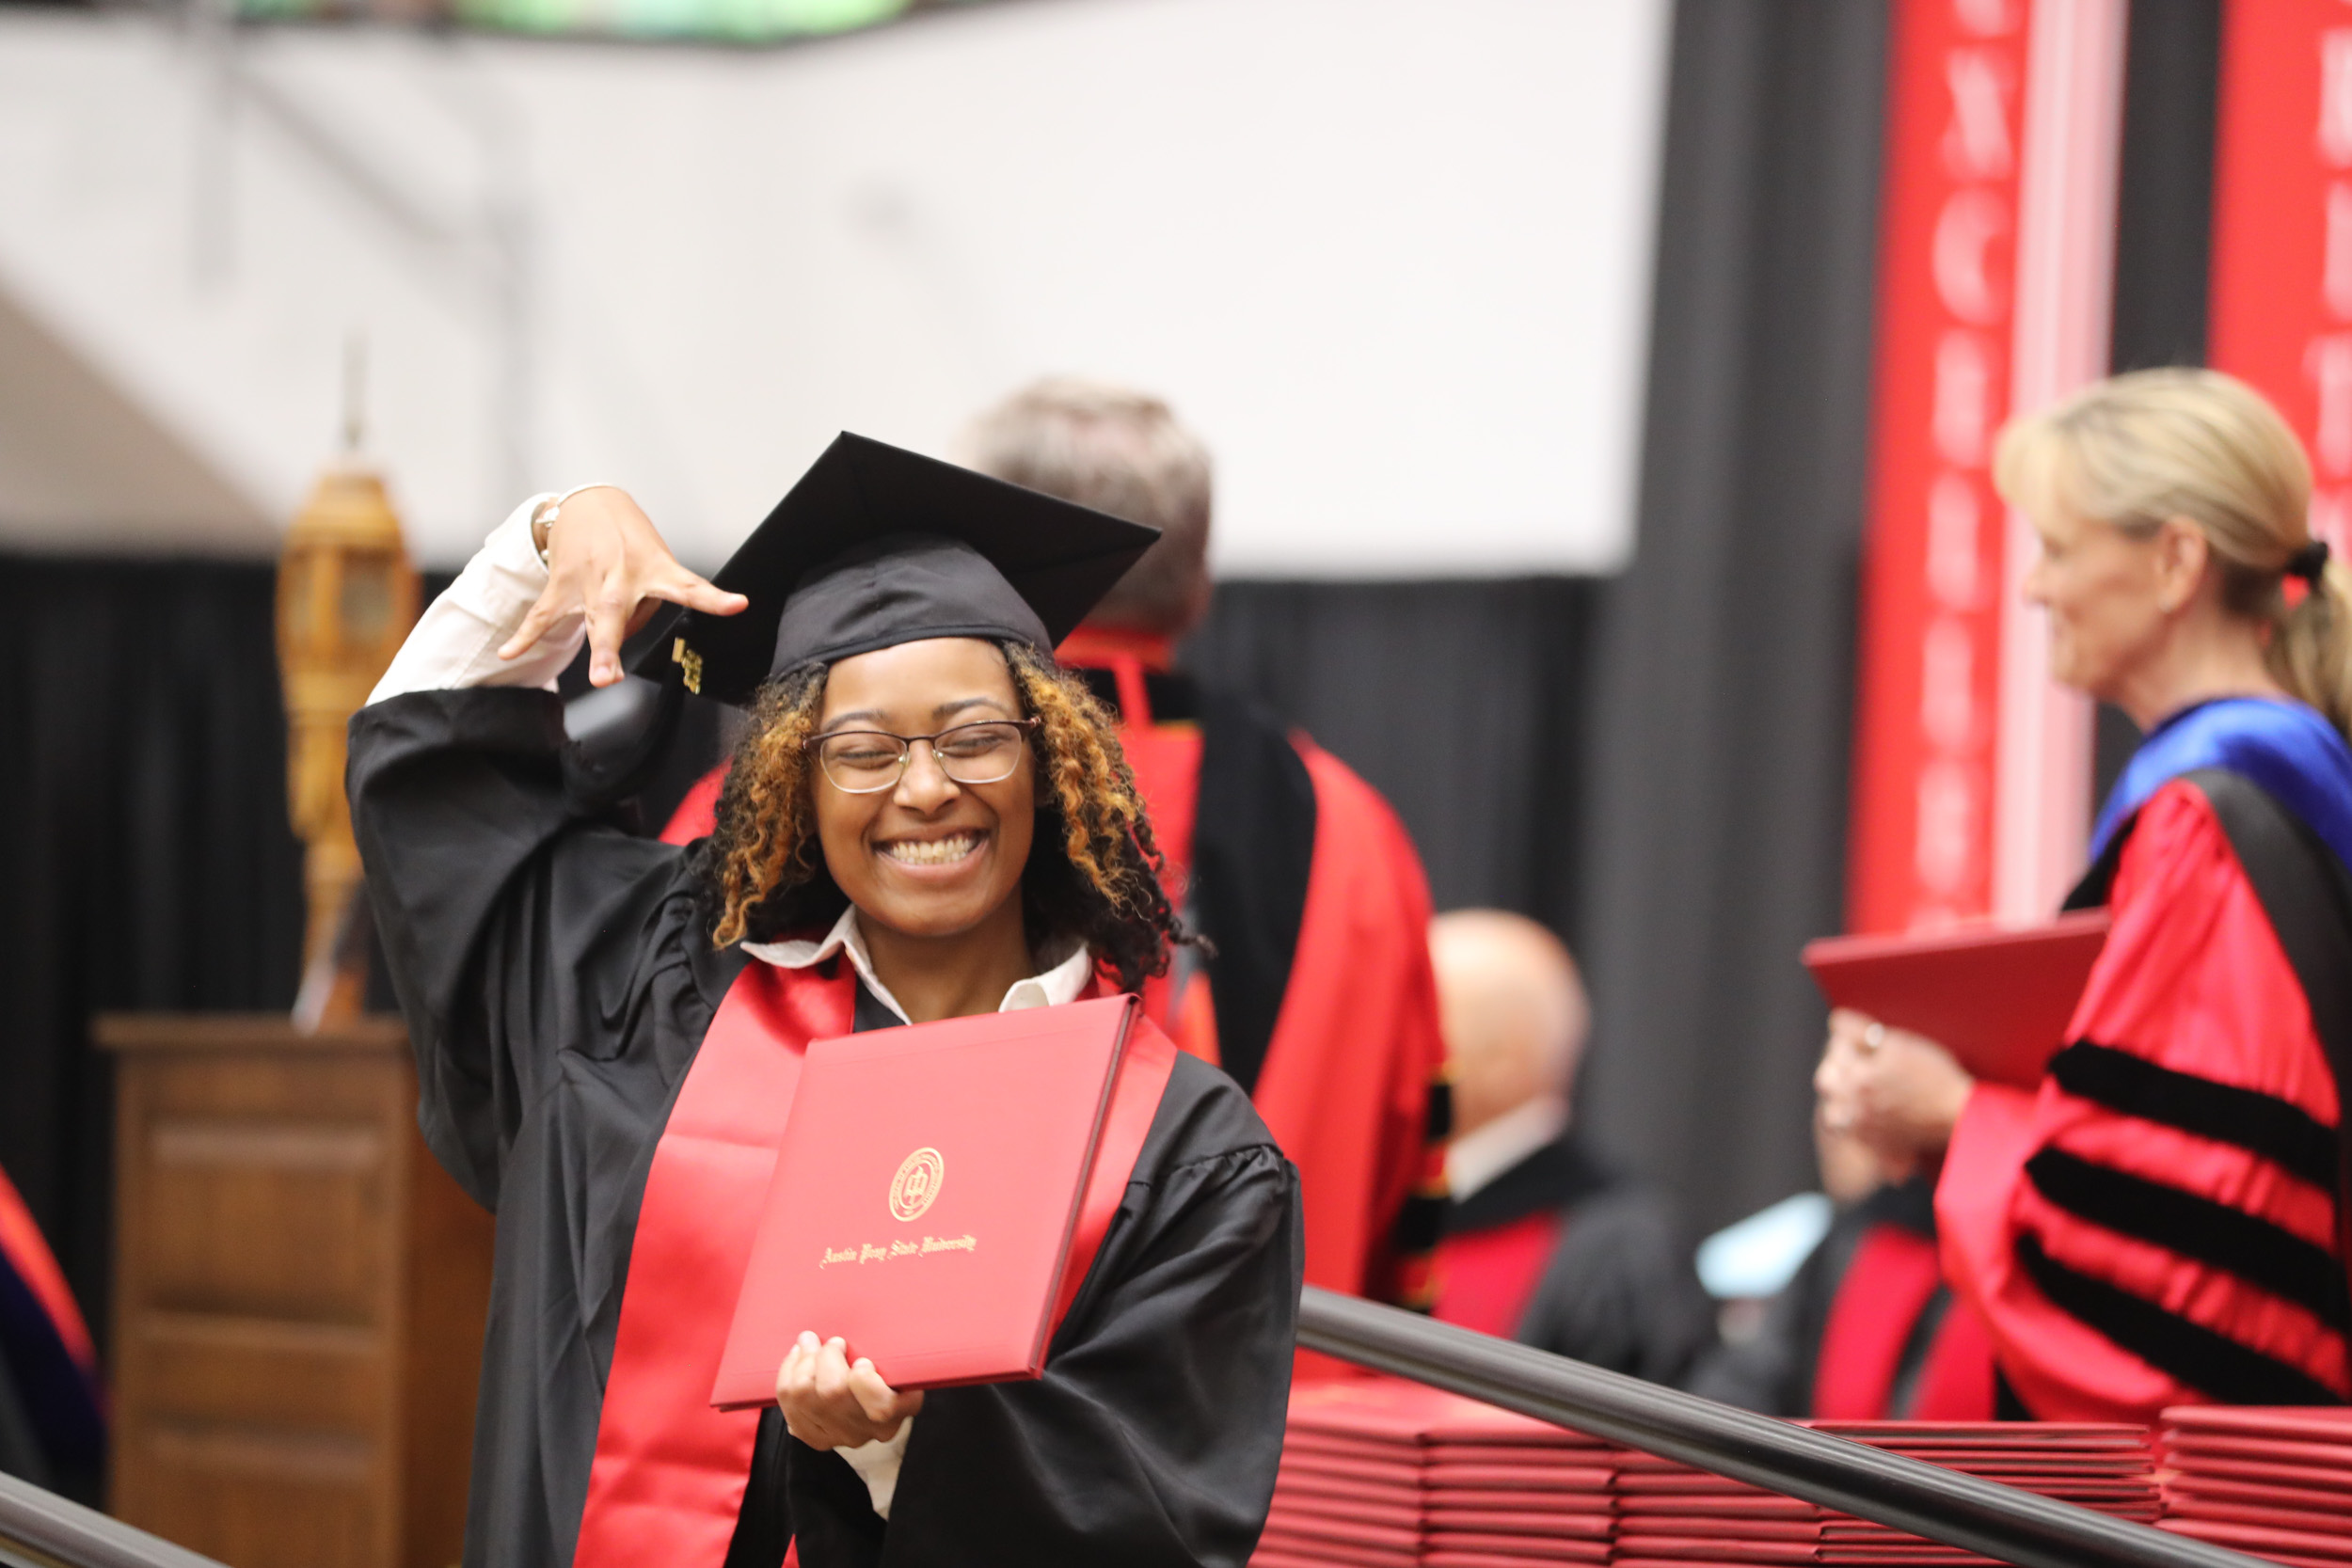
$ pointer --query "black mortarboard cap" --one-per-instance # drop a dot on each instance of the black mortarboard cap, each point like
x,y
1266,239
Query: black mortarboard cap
x,y
876,546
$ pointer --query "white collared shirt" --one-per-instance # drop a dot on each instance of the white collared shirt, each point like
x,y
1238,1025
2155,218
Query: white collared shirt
x,y
1480,1155
1063,981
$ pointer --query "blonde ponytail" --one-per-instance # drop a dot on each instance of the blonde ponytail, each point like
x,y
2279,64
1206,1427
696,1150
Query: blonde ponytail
x,y
2311,645
2135,450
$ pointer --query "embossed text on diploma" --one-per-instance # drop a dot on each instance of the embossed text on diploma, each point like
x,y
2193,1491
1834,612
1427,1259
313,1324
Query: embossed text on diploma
x,y
882,1252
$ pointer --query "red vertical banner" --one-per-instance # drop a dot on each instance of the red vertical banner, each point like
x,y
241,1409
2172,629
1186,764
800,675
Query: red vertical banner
x,y
2283,228
1921,847
1971,767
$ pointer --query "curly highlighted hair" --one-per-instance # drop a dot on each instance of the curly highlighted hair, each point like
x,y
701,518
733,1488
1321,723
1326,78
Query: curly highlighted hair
x,y
1094,866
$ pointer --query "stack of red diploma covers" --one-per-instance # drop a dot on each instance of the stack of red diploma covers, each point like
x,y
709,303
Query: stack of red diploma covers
x,y
1378,1473
2276,1481
1672,1516
925,1197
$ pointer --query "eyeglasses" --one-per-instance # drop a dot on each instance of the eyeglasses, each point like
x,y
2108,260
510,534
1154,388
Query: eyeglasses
x,y
866,762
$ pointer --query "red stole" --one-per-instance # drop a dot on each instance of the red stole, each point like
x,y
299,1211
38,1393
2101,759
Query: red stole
x,y
669,1474
1486,1278
1887,1285
1166,762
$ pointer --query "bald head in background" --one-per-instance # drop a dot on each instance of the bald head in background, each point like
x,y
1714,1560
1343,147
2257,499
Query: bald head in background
x,y
1548,1242
1514,1012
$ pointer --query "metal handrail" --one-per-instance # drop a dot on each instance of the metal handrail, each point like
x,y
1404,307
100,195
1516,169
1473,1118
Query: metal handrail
x,y
1958,1510
41,1529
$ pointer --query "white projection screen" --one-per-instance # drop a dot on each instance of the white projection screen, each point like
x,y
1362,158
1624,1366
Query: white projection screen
x,y
1392,259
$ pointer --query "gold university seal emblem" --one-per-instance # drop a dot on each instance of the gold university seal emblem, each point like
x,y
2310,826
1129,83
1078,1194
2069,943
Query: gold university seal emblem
x,y
915,1187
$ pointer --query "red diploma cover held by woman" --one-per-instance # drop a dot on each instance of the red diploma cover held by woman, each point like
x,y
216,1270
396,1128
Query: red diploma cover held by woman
x,y
669,1471
940,1191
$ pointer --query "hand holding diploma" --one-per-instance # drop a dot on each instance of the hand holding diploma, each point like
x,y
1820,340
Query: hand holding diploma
x,y
831,1403
1898,1092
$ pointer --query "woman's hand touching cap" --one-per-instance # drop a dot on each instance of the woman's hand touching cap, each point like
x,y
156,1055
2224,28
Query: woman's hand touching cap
x,y
606,562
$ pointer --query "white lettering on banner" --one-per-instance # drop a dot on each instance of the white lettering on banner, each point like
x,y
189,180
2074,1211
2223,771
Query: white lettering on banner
x,y
1948,686
2336,269
1963,397
2329,363
1955,543
1971,116
2331,515
1946,853
1977,144
1972,221
2327,360
2335,97
1972,261
1985,17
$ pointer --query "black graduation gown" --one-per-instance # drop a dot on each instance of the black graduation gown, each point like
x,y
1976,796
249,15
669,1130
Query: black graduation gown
x,y
21,1451
557,984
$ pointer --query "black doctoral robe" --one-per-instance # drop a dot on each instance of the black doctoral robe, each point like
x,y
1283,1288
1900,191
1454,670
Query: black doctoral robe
x,y
1616,1288
1778,1369
557,984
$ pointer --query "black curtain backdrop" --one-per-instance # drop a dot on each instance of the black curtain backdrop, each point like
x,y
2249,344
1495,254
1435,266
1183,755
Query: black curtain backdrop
x,y
1724,676
144,850
2163,229
1465,704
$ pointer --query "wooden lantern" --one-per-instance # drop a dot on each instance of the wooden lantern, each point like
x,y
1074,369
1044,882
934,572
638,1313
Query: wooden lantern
x,y
346,596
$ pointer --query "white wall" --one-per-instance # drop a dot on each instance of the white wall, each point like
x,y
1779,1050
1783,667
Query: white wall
x,y
1392,259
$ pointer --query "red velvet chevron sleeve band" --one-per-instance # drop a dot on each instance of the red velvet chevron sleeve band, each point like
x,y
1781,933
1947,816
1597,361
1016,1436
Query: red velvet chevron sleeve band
x,y
2156,1225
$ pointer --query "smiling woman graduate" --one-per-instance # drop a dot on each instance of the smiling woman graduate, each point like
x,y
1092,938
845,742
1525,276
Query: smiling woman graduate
x,y
925,820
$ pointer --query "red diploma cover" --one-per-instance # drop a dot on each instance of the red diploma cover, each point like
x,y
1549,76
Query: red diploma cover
x,y
1997,999
925,1197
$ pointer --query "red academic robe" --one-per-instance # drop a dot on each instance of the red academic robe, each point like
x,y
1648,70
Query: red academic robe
x,y
2157,1223
1320,1002
1897,1345
1348,1075
47,1362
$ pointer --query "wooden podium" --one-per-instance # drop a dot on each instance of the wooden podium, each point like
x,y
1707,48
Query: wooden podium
x,y
299,1296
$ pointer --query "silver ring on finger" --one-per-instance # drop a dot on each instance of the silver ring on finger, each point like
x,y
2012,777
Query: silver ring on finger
x,y
1872,1038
